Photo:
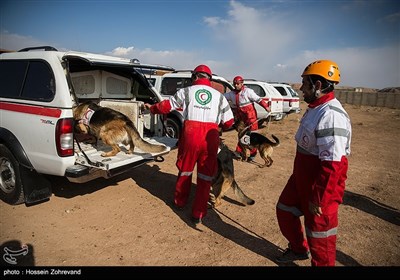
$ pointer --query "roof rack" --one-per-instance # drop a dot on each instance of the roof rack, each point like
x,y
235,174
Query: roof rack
x,y
45,48
178,71
278,83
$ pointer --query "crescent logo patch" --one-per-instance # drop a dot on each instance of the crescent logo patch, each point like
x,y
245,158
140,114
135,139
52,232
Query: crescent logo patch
x,y
325,153
203,96
305,140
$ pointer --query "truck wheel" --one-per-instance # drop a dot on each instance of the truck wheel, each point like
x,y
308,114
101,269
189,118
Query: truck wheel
x,y
173,128
11,190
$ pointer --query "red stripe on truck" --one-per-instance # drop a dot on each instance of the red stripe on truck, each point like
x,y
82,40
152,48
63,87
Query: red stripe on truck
x,y
29,109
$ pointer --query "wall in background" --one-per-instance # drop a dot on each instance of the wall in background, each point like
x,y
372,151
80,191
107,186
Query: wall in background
x,y
376,98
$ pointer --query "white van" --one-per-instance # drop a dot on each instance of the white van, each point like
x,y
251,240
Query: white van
x,y
271,95
291,100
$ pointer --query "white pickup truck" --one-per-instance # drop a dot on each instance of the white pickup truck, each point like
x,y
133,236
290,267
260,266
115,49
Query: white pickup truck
x,y
38,88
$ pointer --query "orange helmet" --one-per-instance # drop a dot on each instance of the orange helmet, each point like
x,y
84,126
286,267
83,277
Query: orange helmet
x,y
203,69
324,68
238,79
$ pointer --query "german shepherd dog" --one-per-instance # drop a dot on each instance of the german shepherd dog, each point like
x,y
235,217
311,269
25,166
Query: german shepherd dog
x,y
250,140
225,179
112,127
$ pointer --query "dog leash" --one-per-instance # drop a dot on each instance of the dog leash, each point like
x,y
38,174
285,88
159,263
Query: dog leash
x,y
268,123
97,163
269,116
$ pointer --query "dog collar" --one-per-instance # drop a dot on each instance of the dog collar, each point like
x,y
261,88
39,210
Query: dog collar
x,y
87,116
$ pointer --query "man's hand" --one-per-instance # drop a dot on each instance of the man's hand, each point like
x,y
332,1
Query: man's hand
x,y
314,209
265,105
146,106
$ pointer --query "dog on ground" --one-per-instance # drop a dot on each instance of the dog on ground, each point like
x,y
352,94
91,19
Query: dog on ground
x,y
112,127
249,140
225,179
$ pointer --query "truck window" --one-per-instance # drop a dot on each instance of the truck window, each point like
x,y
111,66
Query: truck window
x,y
26,79
39,82
12,75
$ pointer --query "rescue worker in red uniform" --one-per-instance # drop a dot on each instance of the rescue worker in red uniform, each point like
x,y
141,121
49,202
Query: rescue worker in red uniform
x,y
242,101
316,187
204,109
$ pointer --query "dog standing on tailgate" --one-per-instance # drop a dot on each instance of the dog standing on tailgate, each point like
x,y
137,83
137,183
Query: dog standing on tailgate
x,y
225,179
112,127
250,139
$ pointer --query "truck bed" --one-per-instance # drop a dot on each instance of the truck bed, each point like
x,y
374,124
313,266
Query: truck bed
x,y
93,154
90,164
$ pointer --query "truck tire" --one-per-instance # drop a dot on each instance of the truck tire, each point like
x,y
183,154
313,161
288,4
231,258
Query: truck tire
x,y
173,128
11,190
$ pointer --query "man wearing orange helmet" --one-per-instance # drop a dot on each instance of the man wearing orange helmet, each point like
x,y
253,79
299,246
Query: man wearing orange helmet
x,y
204,109
316,187
242,100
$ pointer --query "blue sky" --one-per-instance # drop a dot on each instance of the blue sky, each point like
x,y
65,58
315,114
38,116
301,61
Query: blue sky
x,y
266,40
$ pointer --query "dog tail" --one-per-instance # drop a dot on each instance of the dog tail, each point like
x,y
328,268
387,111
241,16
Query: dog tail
x,y
241,195
276,144
142,144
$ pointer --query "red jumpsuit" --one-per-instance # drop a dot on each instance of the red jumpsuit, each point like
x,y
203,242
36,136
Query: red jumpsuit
x,y
204,108
319,175
244,107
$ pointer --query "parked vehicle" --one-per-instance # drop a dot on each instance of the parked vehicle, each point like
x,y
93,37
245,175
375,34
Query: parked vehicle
x,y
38,89
271,95
168,83
291,100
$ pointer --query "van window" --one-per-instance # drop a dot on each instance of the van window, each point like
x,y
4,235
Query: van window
x,y
142,92
282,91
257,89
293,92
169,86
24,79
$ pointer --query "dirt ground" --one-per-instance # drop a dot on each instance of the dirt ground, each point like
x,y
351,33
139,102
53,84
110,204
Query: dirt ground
x,y
129,221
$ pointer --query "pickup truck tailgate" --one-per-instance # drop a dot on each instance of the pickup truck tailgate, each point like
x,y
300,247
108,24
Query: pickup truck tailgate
x,y
90,164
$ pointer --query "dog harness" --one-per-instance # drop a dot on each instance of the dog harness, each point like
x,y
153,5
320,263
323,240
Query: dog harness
x,y
243,102
87,116
245,140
